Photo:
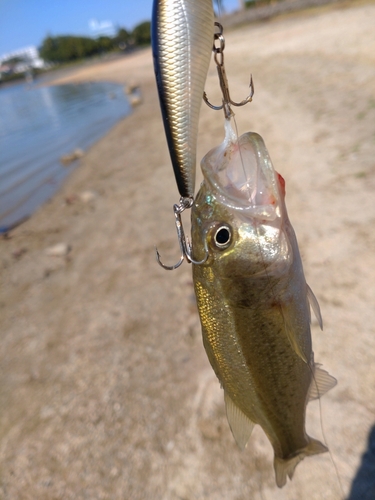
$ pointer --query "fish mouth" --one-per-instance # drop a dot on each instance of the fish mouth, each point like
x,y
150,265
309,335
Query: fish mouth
x,y
240,174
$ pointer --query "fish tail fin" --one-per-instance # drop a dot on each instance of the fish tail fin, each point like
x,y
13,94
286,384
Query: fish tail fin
x,y
284,467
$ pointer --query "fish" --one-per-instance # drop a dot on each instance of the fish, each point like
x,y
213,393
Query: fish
x,y
182,33
254,302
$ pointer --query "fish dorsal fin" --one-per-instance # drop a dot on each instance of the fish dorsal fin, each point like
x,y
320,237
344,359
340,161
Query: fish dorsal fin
x,y
290,332
321,383
314,306
240,425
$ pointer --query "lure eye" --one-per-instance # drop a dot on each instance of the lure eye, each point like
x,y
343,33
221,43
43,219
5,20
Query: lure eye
x,y
223,237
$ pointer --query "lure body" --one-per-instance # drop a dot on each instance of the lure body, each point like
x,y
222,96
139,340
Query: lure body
x,y
182,37
253,300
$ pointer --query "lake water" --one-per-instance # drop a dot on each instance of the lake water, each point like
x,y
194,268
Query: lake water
x,y
37,127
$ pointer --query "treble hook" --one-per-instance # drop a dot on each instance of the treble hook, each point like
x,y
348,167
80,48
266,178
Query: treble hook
x,y
219,60
185,246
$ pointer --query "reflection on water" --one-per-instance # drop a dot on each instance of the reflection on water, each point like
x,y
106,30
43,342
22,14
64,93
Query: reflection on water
x,y
37,127
50,106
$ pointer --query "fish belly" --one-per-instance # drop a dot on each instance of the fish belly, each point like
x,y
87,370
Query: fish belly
x,y
254,361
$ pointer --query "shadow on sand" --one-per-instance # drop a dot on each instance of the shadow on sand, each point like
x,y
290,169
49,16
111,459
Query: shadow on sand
x,y
363,486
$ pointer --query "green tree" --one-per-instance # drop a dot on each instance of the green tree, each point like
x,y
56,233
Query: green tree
x,y
48,48
122,38
105,43
142,33
68,48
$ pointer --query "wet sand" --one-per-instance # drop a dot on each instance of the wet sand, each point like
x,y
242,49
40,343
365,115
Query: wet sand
x,y
106,392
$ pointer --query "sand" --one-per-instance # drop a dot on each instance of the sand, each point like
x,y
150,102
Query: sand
x,y
106,392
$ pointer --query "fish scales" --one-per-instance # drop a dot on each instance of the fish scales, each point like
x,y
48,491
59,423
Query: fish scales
x,y
253,300
250,352
182,38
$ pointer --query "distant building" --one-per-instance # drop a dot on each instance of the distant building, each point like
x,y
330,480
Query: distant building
x,y
27,58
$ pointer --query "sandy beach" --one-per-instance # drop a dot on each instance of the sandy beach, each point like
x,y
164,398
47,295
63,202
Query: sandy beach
x,y
106,391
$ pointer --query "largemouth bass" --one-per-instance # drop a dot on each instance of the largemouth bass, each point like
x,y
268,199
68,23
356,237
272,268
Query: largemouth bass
x,y
182,38
253,300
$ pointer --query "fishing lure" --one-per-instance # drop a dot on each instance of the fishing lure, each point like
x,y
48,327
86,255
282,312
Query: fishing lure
x,y
252,296
182,32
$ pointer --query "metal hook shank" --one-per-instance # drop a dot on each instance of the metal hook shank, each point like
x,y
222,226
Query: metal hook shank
x,y
185,247
223,80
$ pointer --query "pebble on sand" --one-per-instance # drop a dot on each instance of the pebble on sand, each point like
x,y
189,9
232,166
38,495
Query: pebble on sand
x,y
87,196
74,155
58,250
135,100
133,91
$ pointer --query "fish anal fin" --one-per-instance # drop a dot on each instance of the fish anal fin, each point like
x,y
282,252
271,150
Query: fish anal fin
x,y
314,306
240,425
321,383
284,467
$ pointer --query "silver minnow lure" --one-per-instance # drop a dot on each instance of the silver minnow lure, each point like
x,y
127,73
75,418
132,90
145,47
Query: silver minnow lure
x,y
182,37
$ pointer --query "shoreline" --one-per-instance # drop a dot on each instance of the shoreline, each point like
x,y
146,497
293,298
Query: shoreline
x,y
110,70
106,390
38,176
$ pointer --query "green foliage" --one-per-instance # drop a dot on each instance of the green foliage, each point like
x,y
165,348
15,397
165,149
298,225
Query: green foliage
x,y
122,39
68,48
62,49
142,33
105,43
48,49
255,3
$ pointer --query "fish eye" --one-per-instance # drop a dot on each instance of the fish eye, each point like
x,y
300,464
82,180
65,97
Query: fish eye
x,y
222,237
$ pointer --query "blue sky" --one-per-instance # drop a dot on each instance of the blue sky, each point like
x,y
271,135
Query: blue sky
x,y
27,22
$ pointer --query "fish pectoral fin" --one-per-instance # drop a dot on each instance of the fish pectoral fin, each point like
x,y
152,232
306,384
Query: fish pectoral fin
x,y
284,467
240,425
290,332
321,383
314,306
